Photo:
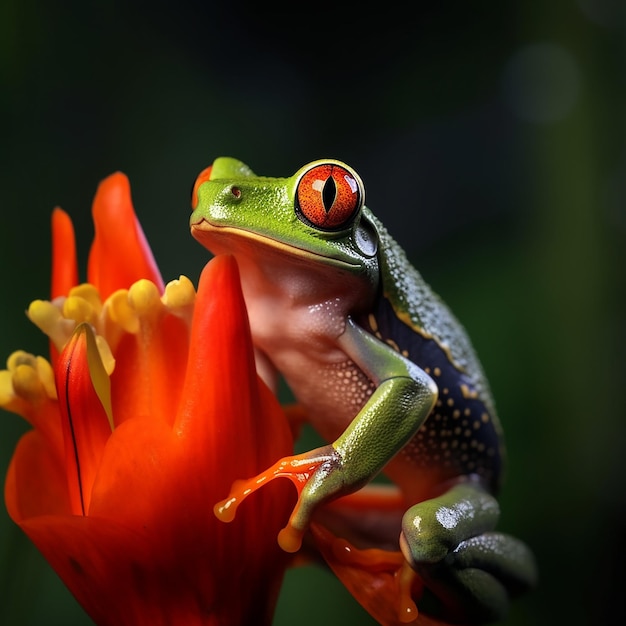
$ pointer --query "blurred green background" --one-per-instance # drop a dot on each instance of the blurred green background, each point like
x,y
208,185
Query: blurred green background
x,y
491,139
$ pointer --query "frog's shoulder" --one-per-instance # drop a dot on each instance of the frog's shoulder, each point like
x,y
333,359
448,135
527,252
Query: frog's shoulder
x,y
419,307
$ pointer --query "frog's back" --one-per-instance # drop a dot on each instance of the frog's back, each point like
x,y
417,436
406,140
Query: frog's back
x,y
462,435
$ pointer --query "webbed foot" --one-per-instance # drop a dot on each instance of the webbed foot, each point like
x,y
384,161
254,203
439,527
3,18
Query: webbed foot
x,y
470,572
309,472
380,580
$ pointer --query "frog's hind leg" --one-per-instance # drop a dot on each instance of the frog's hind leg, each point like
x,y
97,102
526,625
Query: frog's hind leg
x,y
470,571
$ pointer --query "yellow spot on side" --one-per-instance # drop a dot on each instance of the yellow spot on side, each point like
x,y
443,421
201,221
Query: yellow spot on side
x,y
468,393
372,322
403,316
393,344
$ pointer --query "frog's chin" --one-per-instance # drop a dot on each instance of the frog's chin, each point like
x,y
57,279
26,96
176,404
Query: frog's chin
x,y
221,239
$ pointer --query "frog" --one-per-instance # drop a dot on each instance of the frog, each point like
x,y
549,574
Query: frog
x,y
379,367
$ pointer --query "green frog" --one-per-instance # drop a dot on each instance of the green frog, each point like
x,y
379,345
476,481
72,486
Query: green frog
x,y
381,369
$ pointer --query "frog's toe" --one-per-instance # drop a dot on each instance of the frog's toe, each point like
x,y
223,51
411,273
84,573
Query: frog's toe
x,y
307,471
380,580
469,571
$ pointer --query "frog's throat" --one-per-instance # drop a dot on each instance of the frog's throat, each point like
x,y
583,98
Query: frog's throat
x,y
203,231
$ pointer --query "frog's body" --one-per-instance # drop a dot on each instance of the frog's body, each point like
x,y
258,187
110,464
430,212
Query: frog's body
x,y
461,435
377,362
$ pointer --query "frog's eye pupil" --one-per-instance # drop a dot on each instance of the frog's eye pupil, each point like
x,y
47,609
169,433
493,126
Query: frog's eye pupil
x,y
328,196
329,193
236,192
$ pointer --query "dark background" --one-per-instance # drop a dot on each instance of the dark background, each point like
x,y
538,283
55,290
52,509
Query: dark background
x,y
491,139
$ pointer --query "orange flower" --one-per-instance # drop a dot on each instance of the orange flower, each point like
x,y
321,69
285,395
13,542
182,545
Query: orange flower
x,y
148,410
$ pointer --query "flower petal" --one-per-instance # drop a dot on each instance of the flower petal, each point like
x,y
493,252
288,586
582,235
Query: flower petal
x,y
84,402
120,254
222,385
151,485
36,483
157,350
127,578
83,551
221,380
64,263
203,176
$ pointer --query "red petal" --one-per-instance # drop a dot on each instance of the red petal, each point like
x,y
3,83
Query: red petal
x,y
85,552
203,176
160,354
120,254
151,487
64,264
231,425
140,473
36,483
221,381
86,426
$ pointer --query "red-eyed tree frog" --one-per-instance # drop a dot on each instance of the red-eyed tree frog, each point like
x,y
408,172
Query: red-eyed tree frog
x,y
381,368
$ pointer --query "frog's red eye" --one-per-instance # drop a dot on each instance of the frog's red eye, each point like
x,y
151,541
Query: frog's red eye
x,y
328,196
204,175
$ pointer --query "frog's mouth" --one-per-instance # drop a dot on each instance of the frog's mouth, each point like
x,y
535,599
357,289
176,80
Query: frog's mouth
x,y
205,232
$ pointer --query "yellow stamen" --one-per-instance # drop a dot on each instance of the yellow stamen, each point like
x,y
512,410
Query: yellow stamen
x,y
26,382
88,292
179,297
119,311
144,298
49,318
46,375
79,310
27,376
122,312
179,293
20,357
7,393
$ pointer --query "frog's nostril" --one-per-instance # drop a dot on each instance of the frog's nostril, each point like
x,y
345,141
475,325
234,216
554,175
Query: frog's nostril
x,y
236,192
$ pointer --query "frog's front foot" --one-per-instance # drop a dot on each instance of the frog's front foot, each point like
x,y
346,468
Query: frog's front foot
x,y
316,479
469,571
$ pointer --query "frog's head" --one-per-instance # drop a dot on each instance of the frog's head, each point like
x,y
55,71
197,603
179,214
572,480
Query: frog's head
x,y
316,214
